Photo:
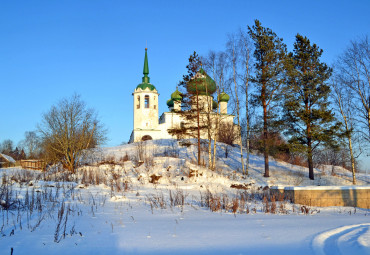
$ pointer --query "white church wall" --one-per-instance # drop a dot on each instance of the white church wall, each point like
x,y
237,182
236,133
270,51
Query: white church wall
x,y
145,115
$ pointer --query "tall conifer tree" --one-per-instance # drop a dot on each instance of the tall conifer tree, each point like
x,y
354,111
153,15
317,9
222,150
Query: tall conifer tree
x,y
269,56
190,106
308,119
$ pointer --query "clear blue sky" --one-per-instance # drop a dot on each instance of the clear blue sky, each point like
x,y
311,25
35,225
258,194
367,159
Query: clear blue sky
x,y
51,49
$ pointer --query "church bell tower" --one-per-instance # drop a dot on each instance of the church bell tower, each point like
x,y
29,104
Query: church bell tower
x,y
145,107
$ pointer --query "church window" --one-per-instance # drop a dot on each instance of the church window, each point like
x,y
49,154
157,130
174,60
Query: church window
x,y
146,101
138,102
155,107
182,124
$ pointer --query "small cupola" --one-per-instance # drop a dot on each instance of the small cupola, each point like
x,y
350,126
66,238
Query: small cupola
x,y
223,99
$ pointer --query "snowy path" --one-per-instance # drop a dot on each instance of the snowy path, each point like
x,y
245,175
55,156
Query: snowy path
x,y
349,239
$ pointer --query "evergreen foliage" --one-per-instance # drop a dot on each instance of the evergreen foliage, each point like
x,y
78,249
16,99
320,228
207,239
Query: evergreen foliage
x,y
269,57
190,98
308,119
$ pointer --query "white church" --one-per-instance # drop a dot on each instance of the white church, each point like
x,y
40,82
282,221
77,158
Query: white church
x,y
148,126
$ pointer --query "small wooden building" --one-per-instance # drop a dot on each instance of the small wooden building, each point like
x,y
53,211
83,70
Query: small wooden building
x,y
6,161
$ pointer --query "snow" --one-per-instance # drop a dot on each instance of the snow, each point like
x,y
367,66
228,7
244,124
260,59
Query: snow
x,y
344,240
8,158
118,210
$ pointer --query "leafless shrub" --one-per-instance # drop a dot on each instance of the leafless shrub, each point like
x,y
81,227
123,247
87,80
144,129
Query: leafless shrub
x,y
235,205
149,162
140,150
266,205
172,150
157,201
177,198
124,158
108,160
306,210
273,205
215,203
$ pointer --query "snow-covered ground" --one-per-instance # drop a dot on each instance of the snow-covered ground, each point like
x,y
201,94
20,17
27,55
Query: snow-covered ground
x,y
112,207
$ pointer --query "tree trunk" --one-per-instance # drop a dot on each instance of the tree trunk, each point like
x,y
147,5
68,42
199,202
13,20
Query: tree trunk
x,y
247,119
368,118
217,130
265,142
209,129
214,153
198,122
350,150
237,112
352,160
309,159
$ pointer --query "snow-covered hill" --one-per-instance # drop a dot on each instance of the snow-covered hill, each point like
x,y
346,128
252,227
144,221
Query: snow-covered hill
x,y
181,158
152,198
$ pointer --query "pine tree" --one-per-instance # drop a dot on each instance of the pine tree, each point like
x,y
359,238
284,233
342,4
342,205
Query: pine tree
x,y
190,104
308,119
269,56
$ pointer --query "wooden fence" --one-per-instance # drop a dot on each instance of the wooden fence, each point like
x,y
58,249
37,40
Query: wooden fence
x,y
33,164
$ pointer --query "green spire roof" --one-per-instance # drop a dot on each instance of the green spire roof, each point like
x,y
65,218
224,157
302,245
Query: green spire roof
x,y
176,96
146,80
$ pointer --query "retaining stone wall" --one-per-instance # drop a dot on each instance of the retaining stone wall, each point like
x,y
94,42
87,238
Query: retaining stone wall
x,y
323,196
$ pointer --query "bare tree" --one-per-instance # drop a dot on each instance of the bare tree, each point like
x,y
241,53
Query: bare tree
x,y
216,64
233,57
31,144
245,49
342,97
7,146
68,130
353,70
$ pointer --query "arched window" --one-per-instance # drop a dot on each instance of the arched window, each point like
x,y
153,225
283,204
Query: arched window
x,y
182,125
138,102
146,101
146,138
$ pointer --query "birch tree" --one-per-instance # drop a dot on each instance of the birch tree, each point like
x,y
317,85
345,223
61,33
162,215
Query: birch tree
x,y
353,68
217,66
232,53
245,49
342,97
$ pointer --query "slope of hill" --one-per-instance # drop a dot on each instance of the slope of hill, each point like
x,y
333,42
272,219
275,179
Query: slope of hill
x,y
181,158
151,198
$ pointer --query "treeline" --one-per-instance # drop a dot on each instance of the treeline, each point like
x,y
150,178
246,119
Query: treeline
x,y
27,148
292,105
